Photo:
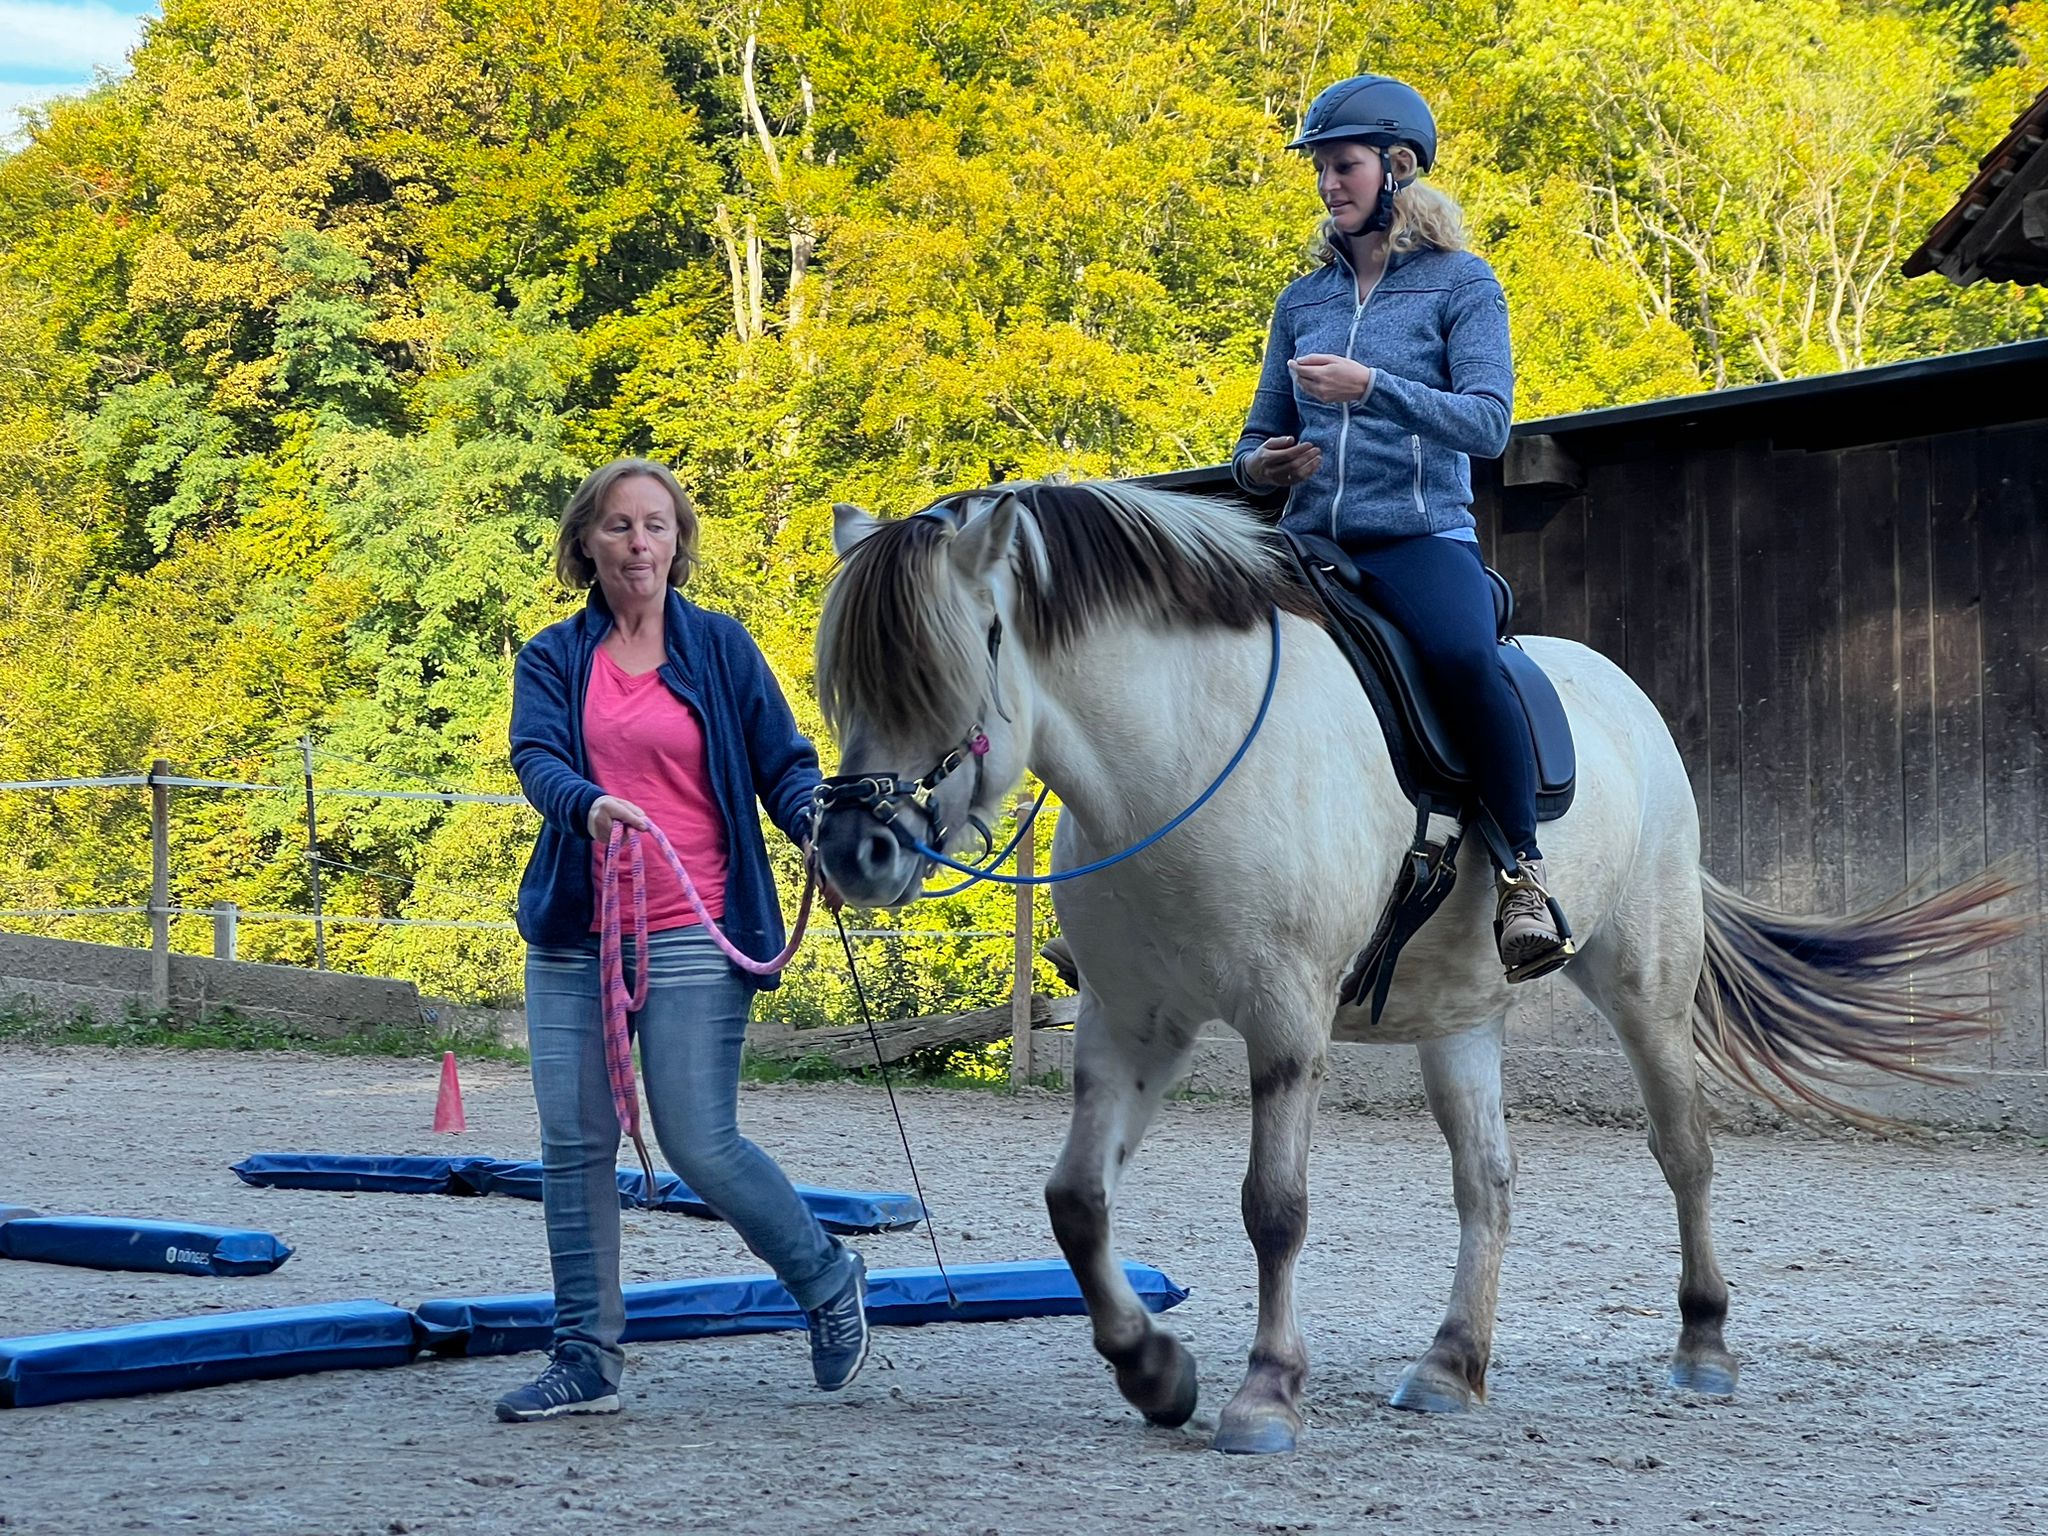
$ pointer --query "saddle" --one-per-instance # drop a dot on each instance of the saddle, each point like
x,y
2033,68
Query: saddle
x,y
1428,763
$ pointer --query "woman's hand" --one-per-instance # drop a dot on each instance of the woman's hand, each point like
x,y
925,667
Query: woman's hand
x,y
611,808
1331,379
827,892
1282,461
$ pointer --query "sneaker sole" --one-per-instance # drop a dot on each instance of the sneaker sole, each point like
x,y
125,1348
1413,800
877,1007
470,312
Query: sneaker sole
x,y
847,1379
594,1405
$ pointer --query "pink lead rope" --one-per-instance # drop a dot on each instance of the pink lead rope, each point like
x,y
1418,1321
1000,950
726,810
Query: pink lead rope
x,y
618,1000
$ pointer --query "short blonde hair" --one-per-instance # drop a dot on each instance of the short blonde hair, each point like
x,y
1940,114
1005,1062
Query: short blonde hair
x,y
1424,218
577,570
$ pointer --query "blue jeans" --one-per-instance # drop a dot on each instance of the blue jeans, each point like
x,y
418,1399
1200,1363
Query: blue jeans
x,y
1436,592
690,1036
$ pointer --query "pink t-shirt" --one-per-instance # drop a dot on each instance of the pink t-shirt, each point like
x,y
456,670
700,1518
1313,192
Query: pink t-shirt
x,y
645,746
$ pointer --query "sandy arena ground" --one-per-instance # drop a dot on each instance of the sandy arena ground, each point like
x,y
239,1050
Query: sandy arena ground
x,y
1891,1308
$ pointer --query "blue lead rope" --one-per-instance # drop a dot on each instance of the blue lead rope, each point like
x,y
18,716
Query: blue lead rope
x,y
977,876
1030,819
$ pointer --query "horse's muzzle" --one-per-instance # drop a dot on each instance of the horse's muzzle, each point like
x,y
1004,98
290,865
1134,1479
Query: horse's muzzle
x,y
865,859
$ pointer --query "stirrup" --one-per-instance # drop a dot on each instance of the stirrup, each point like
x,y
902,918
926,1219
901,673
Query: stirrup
x,y
1543,965
1550,960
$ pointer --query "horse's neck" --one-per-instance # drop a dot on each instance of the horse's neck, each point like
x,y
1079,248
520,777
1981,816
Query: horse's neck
x,y
1132,723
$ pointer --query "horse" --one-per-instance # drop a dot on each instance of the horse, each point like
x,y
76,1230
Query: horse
x,y
1116,640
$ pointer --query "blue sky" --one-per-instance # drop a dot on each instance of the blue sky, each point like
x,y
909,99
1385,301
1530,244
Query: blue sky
x,y
48,47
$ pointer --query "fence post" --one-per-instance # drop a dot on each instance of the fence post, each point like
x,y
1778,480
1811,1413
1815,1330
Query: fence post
x,y
1020,992
313,859
225,914
159,886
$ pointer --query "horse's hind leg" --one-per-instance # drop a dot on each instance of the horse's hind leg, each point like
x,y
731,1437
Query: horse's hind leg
x,y
1461,1077
1287,1071
1641,975
1119,1076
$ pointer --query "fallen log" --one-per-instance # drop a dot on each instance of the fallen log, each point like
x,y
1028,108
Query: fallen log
x,y
903,1037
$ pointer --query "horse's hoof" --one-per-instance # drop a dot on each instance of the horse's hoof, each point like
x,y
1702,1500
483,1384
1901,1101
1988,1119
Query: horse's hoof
x,y
1161,1381
1426,1389
1254,1437
1713,1378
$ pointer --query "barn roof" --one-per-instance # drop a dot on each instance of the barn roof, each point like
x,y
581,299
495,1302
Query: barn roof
x,y
1998,229
1988,387
1993,386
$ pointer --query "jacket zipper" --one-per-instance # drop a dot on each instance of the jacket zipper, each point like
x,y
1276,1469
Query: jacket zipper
x,y
1344,424
1421,508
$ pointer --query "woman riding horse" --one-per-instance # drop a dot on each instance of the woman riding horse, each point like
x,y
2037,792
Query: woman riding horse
x,y
1385,369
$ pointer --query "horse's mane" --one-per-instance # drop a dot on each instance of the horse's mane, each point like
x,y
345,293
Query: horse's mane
x,y
897,645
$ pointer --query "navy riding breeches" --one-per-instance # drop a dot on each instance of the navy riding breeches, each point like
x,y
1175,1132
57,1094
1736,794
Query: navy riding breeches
x,y
1437,594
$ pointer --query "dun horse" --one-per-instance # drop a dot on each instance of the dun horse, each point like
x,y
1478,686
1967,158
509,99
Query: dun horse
x,y
1117,641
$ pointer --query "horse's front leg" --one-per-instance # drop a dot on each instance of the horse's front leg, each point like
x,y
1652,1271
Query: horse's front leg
x,y
1287,1073
1122,1067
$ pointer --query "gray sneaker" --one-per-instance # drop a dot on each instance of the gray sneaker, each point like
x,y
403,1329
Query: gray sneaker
x,y
564,1387
839,1330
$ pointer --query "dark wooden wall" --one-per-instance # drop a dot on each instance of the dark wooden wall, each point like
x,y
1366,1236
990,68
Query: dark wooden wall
x,y
1850,646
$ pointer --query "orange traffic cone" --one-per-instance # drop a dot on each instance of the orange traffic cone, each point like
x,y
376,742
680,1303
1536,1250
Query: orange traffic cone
x,y
448,1105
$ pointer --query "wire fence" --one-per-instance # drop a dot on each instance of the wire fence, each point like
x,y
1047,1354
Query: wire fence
x,y
160,909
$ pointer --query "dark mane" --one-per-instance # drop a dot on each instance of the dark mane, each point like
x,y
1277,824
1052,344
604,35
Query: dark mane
x,y
897,645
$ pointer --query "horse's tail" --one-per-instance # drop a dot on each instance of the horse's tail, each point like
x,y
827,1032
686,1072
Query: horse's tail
x,y
1796,1003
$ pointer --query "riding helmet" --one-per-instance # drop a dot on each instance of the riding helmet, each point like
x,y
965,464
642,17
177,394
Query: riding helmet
x,y
1372,109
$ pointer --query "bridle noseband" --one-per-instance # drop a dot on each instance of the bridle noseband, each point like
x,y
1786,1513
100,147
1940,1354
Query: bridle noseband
x,y
884,796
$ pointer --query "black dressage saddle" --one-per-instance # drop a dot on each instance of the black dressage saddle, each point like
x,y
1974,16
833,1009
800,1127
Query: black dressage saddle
x,y
1431,768
1426,756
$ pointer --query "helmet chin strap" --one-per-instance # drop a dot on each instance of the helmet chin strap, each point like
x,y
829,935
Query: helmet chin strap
x,y
1383,211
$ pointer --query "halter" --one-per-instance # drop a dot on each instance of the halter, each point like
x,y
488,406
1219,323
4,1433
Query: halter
x,y
879,796
883,796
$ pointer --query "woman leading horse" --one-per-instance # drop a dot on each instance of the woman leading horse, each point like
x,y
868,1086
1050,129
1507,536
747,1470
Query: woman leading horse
x,y
644,706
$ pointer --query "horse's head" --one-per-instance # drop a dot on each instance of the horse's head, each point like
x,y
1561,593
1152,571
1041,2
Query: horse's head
x,y
931,706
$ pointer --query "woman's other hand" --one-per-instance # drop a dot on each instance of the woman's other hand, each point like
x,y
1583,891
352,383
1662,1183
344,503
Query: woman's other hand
x,y
1331,379
1283,461
611,808
827,892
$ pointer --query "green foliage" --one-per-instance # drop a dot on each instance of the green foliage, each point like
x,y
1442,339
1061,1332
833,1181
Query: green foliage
x,y
226,1030
309,323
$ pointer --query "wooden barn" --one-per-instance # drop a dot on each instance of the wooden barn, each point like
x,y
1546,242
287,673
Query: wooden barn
x,y
1836,590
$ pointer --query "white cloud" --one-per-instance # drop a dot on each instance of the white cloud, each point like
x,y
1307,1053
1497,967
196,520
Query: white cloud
x,y
45,37
13,97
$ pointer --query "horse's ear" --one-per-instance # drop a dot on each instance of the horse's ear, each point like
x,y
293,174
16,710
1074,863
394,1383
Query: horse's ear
x,y
986,539
850,525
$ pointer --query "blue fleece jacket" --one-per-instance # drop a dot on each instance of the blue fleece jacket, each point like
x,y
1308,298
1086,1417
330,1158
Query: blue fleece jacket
x,y
1435,333
752,751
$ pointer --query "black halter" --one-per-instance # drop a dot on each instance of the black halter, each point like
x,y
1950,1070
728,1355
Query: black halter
x,y
883,796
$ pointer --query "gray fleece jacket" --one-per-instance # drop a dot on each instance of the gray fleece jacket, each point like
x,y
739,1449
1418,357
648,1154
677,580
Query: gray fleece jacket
x,y
1398,463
